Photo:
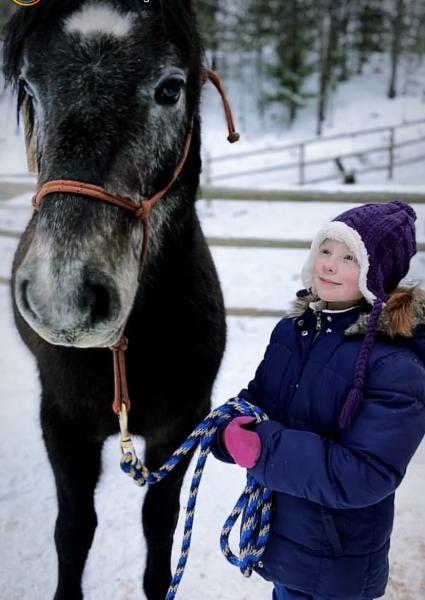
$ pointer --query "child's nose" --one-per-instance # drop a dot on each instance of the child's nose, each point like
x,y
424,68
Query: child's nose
x,y
330,266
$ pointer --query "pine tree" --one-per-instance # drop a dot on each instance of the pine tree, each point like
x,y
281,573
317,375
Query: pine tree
x,y
369,28
329,29
292,23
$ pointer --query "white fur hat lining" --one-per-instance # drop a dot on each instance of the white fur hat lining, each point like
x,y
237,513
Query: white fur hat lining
x,y
340,232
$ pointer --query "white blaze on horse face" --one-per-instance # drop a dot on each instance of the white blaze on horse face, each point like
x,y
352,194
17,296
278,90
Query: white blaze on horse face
x,y
94,19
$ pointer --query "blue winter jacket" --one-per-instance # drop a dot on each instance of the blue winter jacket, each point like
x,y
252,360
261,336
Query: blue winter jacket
x,y
333,504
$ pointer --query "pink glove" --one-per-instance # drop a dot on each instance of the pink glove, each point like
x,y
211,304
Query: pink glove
x,y
244,446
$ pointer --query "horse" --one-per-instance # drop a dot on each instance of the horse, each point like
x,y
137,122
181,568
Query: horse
x,y
110,93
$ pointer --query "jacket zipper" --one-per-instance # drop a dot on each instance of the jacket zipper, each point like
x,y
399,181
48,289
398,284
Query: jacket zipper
x,y
318,326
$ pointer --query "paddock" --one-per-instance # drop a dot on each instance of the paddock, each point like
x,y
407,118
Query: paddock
x,y
261,279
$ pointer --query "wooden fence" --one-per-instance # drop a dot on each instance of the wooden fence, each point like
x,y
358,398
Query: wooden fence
x,y
302,163
347,195
252,195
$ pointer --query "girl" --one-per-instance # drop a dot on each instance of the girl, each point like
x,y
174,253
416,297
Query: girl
x,y
343,384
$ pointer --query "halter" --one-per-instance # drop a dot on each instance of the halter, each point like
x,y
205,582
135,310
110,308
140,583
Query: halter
x,y
140,211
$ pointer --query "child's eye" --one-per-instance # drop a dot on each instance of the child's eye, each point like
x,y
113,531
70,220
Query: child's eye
x,y
349,257
324,251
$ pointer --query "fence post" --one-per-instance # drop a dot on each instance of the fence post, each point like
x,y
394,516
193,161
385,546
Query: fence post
x,y
391,154
206,172
207,168
301,164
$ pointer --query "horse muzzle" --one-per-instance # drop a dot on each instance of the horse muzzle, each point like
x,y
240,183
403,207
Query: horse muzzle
x,y
82,309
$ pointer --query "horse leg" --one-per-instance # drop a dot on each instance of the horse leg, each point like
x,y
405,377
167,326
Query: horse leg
x,y
76,463
160,514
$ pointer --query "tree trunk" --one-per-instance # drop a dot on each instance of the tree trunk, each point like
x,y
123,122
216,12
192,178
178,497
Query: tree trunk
x,y
327,50
397,32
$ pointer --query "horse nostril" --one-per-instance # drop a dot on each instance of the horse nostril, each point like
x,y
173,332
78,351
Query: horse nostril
x,y
25,298
99,302
97,297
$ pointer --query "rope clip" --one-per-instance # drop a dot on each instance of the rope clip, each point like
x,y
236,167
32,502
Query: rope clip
x,y
126,444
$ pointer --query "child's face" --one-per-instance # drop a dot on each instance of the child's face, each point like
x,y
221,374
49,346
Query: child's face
x,y
336,274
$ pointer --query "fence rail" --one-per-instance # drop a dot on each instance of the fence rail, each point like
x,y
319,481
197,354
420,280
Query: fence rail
x,y
304,195
10,234
270,243
308,195
302,163
9,189
315,140
297,194
232,243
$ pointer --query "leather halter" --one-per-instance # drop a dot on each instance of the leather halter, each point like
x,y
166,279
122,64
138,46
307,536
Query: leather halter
x,y
140,211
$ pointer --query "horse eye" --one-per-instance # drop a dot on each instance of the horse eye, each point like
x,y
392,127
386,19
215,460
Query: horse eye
x,y
169,91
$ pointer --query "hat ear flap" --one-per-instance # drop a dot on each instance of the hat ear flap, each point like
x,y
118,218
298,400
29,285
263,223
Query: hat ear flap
x,y
30,143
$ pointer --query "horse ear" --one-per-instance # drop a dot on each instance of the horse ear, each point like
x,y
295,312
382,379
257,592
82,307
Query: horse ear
x,y
29,137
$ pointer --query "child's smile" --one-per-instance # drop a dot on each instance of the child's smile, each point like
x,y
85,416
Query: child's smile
x,y
328,281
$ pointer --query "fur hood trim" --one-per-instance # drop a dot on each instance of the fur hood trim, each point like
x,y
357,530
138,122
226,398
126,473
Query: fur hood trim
x,y
403,312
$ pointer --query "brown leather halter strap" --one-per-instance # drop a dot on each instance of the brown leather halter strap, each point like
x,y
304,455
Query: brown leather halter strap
x,y
141,211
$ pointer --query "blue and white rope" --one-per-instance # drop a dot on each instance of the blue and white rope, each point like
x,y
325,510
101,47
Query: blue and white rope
x,y
254,503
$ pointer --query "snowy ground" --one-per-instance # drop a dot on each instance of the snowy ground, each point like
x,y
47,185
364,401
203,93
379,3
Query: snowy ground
x,y
262,278
257,278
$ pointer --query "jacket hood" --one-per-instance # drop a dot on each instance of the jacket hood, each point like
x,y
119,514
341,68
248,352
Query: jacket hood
x,y
402,318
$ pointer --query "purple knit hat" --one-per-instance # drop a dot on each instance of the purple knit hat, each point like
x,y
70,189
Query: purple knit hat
x,y
382,237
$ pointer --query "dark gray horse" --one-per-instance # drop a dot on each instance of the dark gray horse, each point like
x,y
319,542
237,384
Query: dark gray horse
x,y
111,89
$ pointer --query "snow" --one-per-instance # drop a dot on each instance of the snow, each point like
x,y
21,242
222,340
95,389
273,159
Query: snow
x,y
357,104
266,278
114,568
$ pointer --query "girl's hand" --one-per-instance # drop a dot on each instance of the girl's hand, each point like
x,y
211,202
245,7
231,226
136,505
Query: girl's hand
x,y
244,446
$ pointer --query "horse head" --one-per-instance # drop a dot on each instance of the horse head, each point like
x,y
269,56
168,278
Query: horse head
x,y
110,91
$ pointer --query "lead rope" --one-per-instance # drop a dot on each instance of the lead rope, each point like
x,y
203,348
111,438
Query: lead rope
x,y
254,503
255,500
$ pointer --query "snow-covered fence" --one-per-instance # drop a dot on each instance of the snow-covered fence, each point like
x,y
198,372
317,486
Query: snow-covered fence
x,y
243,238
347,195
10,233
267,243
384,139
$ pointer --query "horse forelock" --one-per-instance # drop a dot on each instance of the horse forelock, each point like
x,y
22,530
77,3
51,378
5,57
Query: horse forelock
x,y
177,16
99,18
88,21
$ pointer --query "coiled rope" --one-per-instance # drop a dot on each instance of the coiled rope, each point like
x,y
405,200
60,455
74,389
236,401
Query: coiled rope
x,y
254,503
